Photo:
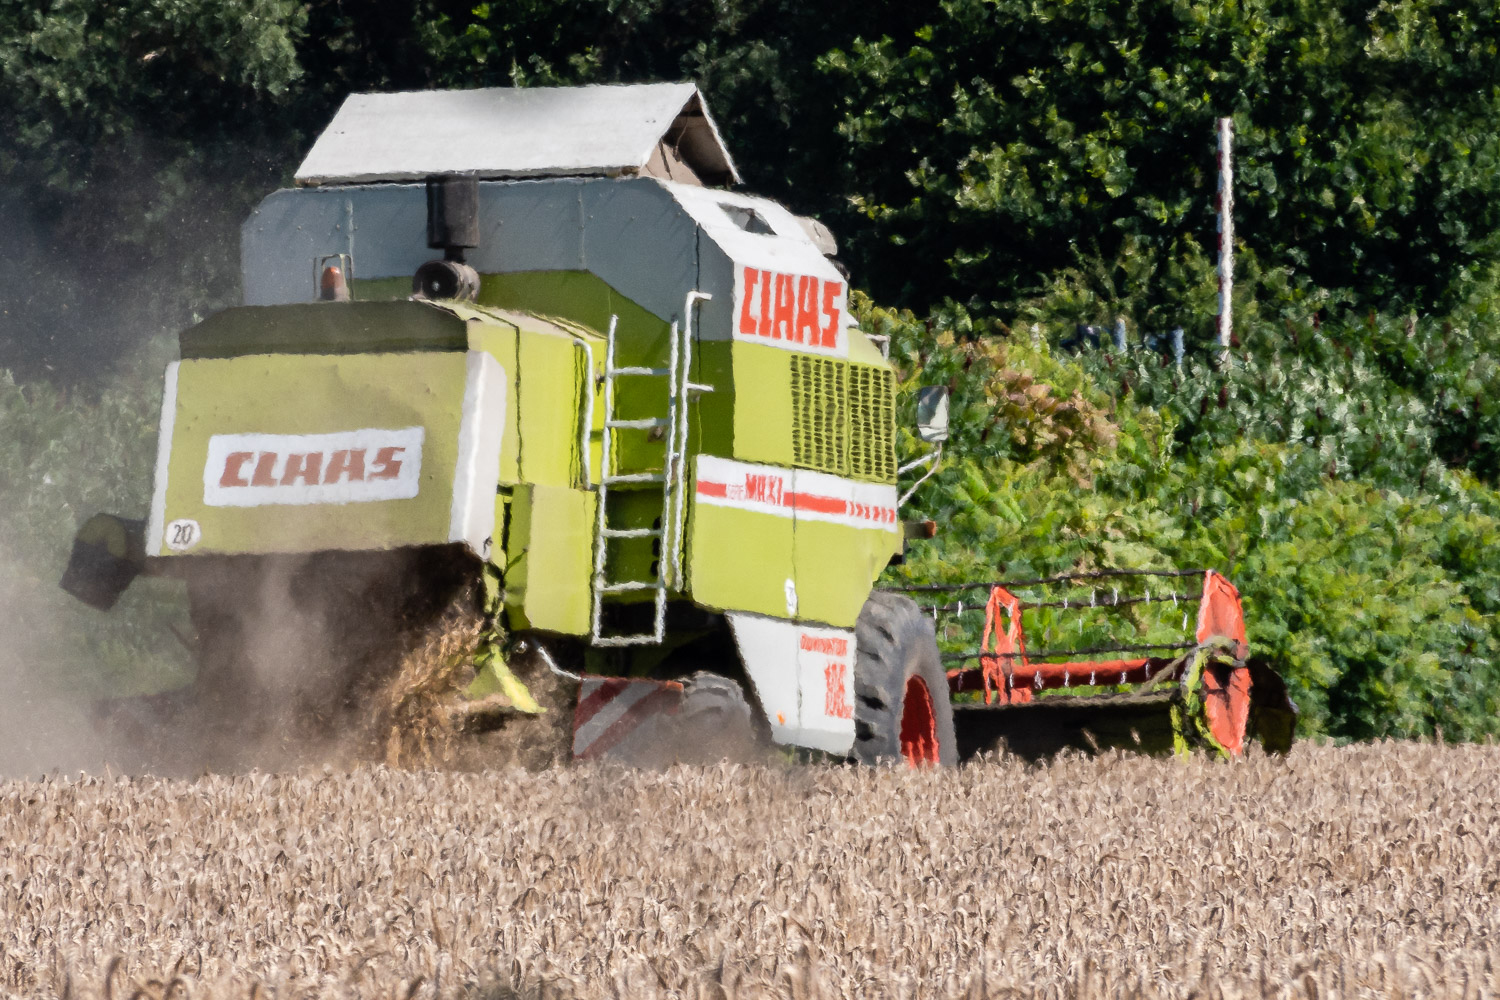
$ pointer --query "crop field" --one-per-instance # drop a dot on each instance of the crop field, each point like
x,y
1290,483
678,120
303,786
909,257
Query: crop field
x,y
1339,872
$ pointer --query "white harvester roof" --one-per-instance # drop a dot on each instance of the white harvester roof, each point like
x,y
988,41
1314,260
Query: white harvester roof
x,y
502,132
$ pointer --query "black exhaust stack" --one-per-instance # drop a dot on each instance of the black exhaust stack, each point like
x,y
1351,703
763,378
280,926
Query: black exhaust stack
x,y
453,215
452,227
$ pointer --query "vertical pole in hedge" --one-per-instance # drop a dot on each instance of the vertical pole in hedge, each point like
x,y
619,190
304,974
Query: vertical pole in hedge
x,y
1226,230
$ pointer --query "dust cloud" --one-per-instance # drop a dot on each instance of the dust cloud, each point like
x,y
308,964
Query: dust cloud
x,y
41,733
265,653
344,659
334,658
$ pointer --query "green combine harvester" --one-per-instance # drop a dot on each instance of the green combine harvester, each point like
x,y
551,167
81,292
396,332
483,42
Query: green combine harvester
x,y
624,420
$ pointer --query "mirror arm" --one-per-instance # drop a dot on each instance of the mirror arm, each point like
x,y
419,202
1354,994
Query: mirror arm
x,y
932,457
903,470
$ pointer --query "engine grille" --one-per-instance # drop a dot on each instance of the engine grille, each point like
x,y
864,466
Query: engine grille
x,y
872,424
820,422
843,418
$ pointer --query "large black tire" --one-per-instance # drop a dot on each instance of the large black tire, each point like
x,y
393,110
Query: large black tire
x,y
713,723
901,705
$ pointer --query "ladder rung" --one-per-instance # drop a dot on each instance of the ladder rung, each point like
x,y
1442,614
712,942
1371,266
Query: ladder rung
x,y
643,639
637,370
632,533
634,477
629,585
645,423
699,387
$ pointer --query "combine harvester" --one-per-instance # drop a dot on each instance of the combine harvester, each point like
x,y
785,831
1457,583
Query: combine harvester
x,y
625,421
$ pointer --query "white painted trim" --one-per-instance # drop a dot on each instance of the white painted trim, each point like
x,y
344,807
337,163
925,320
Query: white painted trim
x,y
156,524
796,493
771,670
477,472
790,678
825,740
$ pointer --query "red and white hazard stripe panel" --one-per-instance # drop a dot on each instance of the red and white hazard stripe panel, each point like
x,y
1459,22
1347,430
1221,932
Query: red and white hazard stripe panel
x,y
615,712
799,493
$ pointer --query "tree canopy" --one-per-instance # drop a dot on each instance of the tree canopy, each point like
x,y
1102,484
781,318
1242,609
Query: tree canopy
x,y
966,151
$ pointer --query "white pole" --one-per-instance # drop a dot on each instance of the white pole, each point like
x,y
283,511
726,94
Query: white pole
x,y
1226,230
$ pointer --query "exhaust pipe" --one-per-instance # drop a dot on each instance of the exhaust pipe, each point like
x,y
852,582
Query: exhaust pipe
x,y
452,227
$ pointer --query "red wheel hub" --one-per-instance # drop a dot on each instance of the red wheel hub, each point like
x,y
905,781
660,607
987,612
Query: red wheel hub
x,y
919,743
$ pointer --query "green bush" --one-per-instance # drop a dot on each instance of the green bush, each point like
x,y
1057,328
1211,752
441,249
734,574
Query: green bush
x,y
1375,597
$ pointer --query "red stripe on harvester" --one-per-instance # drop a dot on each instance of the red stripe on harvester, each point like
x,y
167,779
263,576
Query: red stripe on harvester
x,y
812,503
815,504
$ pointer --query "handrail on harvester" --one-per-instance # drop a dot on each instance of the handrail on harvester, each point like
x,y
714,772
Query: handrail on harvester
x,y
1095,574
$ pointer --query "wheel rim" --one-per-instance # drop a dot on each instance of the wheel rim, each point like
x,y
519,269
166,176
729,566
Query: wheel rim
x,y
919,743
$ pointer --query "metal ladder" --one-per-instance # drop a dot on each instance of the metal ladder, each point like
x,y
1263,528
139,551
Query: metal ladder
x,y
671,478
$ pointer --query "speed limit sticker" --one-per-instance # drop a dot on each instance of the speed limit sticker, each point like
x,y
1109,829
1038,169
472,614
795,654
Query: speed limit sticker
x,y
183,534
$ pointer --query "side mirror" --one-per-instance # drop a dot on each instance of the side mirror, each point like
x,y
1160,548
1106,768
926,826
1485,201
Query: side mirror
x,y
932,414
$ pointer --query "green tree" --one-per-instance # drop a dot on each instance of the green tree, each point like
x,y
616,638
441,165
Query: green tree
x,y
129,133
1002,137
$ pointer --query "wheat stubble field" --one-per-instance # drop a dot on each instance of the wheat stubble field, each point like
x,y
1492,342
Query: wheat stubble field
x,y
1362,871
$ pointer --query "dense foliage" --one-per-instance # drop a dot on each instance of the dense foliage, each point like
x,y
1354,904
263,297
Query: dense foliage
x,y
1008,169
967,149
1004,134
1302,472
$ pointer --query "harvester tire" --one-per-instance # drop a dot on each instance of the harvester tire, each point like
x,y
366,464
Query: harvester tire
x,y
713,722
901,705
